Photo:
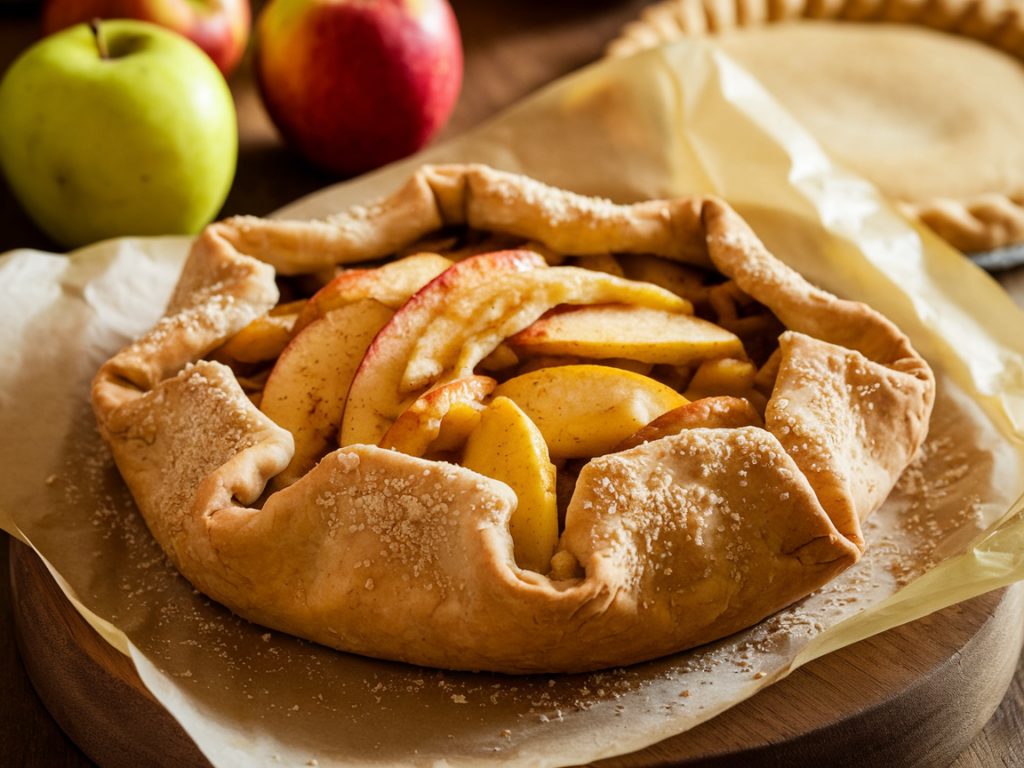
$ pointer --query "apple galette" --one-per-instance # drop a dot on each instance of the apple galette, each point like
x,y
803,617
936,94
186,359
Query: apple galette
x,y
486,424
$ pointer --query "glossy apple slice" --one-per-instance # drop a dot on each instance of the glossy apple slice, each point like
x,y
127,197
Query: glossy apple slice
x,y
391,285
421,422
461,419
587,410
682,279
376,399
707,413
306,390
444,331
507,446
265,337
473,324
723,376
630,332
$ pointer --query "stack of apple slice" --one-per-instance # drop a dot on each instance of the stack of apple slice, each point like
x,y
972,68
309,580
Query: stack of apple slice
x,y
512,368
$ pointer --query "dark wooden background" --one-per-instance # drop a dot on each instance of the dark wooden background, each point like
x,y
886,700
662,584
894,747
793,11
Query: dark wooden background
x,y
511,48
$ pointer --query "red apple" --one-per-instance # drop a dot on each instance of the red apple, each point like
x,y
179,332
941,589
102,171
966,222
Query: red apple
x,y
355,84
219,27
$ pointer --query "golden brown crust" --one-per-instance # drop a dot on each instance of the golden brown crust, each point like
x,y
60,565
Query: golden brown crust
x,y
474,196
971,220
388,555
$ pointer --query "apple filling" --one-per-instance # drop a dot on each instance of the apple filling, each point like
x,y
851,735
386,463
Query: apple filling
x,y
521,364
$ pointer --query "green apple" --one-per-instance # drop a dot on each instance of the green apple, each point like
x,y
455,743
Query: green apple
x,y
119,128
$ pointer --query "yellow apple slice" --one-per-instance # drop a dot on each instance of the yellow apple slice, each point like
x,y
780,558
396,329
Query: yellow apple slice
x,y
725,376
600,262
391,285
376,399
420,424
507,446
457,424
306,389
587,410
709,413
456,321
634,333
265,337
683,280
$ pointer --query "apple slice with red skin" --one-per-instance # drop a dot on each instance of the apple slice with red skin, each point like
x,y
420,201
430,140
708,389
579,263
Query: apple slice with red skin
x,y
306,390
420,424
708,413
444,331
634,333
374,401
474,324
391,284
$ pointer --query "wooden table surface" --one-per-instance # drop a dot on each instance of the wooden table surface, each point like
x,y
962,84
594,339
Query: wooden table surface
x,y
511,47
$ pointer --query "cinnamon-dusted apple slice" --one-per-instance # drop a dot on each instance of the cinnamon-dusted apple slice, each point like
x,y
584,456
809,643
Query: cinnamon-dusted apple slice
x,y
421,422
456,426
444,331
391,284
507,446
708,413
265,337
629,332
305,392
376,399
587,410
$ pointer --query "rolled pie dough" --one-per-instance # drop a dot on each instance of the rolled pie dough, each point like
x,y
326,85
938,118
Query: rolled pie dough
x,y
925,99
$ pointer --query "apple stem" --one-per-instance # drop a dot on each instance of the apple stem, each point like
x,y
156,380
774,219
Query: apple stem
x,y
101,40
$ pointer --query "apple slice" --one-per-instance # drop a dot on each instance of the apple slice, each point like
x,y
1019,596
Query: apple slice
x,y
507,446
421,422
472,324
265,337
306,389
708,413
456,321
461,419
376,400
682,279
630,332
587,410
600,262
391,285
724,376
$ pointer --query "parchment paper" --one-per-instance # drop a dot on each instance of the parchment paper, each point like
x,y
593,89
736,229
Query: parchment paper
x,y
666,122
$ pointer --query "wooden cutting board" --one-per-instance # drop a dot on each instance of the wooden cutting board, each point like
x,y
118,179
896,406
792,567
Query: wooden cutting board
x,y
913,696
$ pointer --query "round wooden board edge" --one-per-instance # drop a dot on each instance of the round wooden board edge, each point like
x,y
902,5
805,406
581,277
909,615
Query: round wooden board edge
x,y
98,699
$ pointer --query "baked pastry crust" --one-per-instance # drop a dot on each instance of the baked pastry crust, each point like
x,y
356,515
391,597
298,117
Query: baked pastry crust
x,y
681,540
933,119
